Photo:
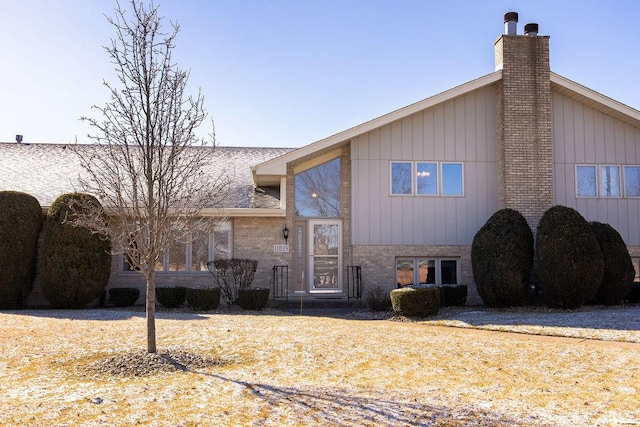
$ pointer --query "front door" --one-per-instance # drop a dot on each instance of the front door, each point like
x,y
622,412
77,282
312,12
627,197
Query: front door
x,y
325,254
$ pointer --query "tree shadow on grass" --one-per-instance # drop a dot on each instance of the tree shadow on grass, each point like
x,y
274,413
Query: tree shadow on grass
x,y
620,318
328,406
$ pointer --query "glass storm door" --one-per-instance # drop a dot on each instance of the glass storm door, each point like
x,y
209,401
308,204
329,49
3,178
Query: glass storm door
x,y
324,255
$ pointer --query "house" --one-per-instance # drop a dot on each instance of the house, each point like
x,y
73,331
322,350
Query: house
x,y
398,199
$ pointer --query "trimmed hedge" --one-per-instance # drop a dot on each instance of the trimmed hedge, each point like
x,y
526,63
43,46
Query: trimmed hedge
x,y
634,293
20,226
618,267
570,262
203,298
253,299
502,259
123,297
171,297
76,263
416,302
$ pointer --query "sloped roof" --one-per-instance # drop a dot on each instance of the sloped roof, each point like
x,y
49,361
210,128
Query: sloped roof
x,y
48,170
269,171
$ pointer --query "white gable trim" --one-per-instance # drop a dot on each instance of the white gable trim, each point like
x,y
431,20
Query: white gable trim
x,y
278,166
594,99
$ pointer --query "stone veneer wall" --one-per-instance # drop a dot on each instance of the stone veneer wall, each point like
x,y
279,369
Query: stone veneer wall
x,y
524,134
379,268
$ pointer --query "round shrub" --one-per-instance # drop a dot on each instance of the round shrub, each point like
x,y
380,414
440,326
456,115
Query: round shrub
x,y
253,299
502,259
123,297
416,302
76,262
618,268
634,293
172,297
20,226
570,262
203,298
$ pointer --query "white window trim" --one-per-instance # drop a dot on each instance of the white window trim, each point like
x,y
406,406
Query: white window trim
x,y
188,258
414,179
595,168
438,261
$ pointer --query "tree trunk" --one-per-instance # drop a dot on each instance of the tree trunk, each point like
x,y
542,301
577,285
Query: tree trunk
x,y
151,312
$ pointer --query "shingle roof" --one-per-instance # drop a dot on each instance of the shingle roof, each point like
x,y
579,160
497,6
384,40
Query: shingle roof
x,y
48,170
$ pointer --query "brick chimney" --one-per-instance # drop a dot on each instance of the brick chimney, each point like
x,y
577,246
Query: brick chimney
x,y
523,109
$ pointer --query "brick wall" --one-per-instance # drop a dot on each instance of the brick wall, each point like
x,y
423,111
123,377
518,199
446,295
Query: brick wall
x,y
525,163
379,268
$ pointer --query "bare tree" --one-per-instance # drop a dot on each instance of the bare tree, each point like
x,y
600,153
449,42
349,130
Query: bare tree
x,y
146,166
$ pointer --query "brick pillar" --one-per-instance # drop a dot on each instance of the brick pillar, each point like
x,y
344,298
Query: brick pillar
x,y
525,163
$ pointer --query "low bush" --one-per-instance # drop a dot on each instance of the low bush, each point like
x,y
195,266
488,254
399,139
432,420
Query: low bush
x,y
618,268
171,297
502,259
123,297
378,299
570,262
416,302
232,275
253,299
634,293
203,298
454,295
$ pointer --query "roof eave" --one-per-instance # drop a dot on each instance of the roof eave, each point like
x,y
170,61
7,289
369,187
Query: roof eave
x,y
595,99
278,166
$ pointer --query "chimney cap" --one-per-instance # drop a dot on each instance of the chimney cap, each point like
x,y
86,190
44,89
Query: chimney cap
x,y
511,17
18,138
531,29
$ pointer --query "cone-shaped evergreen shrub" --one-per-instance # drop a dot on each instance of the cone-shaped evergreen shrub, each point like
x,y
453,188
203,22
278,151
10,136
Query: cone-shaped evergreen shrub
x,y
570,262
20,225
502,259
618,267
75,262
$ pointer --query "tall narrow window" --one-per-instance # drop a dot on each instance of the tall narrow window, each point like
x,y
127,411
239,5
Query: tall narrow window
x,y
609,181
586,181
632,181
427,178
318,190
452,179
401,178
404,272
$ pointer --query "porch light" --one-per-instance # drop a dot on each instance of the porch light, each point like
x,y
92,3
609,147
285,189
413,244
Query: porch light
x,y
285,234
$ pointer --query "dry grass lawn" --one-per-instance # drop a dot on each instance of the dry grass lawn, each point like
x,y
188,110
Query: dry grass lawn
x,y
276,369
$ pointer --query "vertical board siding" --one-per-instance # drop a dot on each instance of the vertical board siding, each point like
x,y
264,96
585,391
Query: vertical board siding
x,y
583,135
460,130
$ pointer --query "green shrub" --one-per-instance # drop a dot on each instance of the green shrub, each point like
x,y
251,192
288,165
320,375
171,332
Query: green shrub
x,y
171,297
416,302
253,299
378,299
502,259
203,298
454,295
570,262
20,226
618,268
634,293
123,297
76,263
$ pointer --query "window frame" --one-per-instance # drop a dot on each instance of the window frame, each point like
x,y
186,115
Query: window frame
x,y
416,260
595,173
440,178
188,253
624,179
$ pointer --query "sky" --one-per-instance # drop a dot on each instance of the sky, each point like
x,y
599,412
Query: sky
x,y
286,73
